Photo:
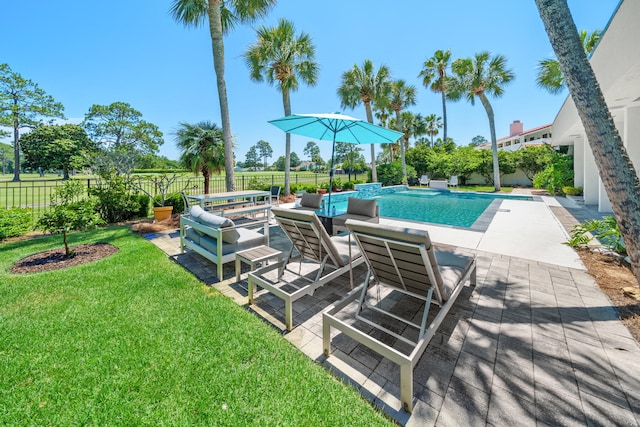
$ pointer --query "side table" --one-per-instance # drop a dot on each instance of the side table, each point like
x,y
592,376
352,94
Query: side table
x,y
255,256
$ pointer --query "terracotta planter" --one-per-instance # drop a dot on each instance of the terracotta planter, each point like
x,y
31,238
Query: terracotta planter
x,y
162,212
322,191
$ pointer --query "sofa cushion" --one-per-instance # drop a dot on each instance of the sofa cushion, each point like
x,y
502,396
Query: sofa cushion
x,y
211,220
361,207
311,200
247,239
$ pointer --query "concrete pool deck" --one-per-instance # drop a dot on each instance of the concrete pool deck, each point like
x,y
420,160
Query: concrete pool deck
x,y
533,343
524,229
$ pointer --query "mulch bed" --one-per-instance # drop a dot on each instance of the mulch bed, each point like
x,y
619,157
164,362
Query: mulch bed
x,y
55,259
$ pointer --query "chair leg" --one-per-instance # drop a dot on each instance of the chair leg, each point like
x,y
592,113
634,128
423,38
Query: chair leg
x,y
406,386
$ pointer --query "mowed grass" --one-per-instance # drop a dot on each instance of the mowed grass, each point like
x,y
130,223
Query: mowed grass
x,y
134,339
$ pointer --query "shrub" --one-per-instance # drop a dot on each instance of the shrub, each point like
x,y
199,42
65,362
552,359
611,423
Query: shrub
x,y
70,213
143,205
391,173
556,175
572,191
115,201
14,222
174,200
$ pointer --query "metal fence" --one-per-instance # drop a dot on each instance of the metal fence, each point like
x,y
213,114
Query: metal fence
x,y
36,195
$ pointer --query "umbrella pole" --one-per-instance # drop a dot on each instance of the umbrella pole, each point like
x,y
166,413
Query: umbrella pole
x,y
333,151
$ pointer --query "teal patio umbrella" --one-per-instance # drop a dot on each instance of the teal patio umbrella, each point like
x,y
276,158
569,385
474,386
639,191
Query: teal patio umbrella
x,y
335,127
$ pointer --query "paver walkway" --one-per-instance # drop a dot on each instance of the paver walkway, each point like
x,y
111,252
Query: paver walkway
x,y
532,344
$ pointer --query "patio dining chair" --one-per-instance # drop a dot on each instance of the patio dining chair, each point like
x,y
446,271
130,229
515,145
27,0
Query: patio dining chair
x,y
382,314
453,181
275,194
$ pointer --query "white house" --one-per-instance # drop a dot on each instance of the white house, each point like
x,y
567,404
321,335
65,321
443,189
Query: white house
x,y
519,138
616,64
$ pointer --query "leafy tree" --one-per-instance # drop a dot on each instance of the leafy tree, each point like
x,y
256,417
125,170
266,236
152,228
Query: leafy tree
x,y
22,103
550,76
252,158
365,85
265,151
477,140
118,127
202,148
392,173
614,165
69,212
5,153
434,76
57,147
557,174
311,150
534,158
478,77
283,58
401,96
506,164
222,16
295,160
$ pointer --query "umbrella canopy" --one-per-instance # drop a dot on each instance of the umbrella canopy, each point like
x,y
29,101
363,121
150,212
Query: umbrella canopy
x,y
335,127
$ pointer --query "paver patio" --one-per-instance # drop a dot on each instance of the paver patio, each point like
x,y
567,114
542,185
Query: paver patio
x,y
532,344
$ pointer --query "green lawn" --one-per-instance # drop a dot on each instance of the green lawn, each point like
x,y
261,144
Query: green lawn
x,y
134,339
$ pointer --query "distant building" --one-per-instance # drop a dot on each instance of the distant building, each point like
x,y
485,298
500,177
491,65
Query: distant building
x,y
616,64
519,138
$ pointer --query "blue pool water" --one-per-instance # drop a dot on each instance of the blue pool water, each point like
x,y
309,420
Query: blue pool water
x,y
460,209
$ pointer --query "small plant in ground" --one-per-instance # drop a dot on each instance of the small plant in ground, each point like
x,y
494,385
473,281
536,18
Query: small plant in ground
x,y
69,212
572,191
605,230
14,222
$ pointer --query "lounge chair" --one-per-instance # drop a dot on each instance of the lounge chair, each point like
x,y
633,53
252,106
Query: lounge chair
x,y
330,258
453,181
358,209
403,261
424,180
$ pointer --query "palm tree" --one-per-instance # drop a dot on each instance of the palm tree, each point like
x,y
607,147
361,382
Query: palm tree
x,y
549,73
364,85
202,148
434,75
616,170
222,16
281,57
478,77
433,124
401,96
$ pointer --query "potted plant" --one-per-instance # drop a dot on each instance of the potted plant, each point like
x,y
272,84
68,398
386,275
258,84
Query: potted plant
x,y
323,188
337,185
162,199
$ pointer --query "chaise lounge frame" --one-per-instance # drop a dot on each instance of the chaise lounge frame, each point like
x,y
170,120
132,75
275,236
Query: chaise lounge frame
x,y
314,245
403,260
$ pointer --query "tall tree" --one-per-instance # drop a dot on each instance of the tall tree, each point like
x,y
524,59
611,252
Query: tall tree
x,y
222,16
119,127
614,165
22,104
401,95
59,147
365,85
265,151
284,58
202,148
550,76
253,158
434,76
312,151
478,77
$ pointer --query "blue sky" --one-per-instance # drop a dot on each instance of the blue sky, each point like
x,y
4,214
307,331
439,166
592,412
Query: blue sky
x,y
88,52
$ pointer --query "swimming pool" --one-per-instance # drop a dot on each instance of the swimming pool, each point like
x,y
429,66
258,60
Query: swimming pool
x,y
458,209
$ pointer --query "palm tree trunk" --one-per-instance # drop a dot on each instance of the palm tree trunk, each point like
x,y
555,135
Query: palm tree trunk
x,y
404,165
286,102
444,117
614,166
494,143
217,45
374,174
